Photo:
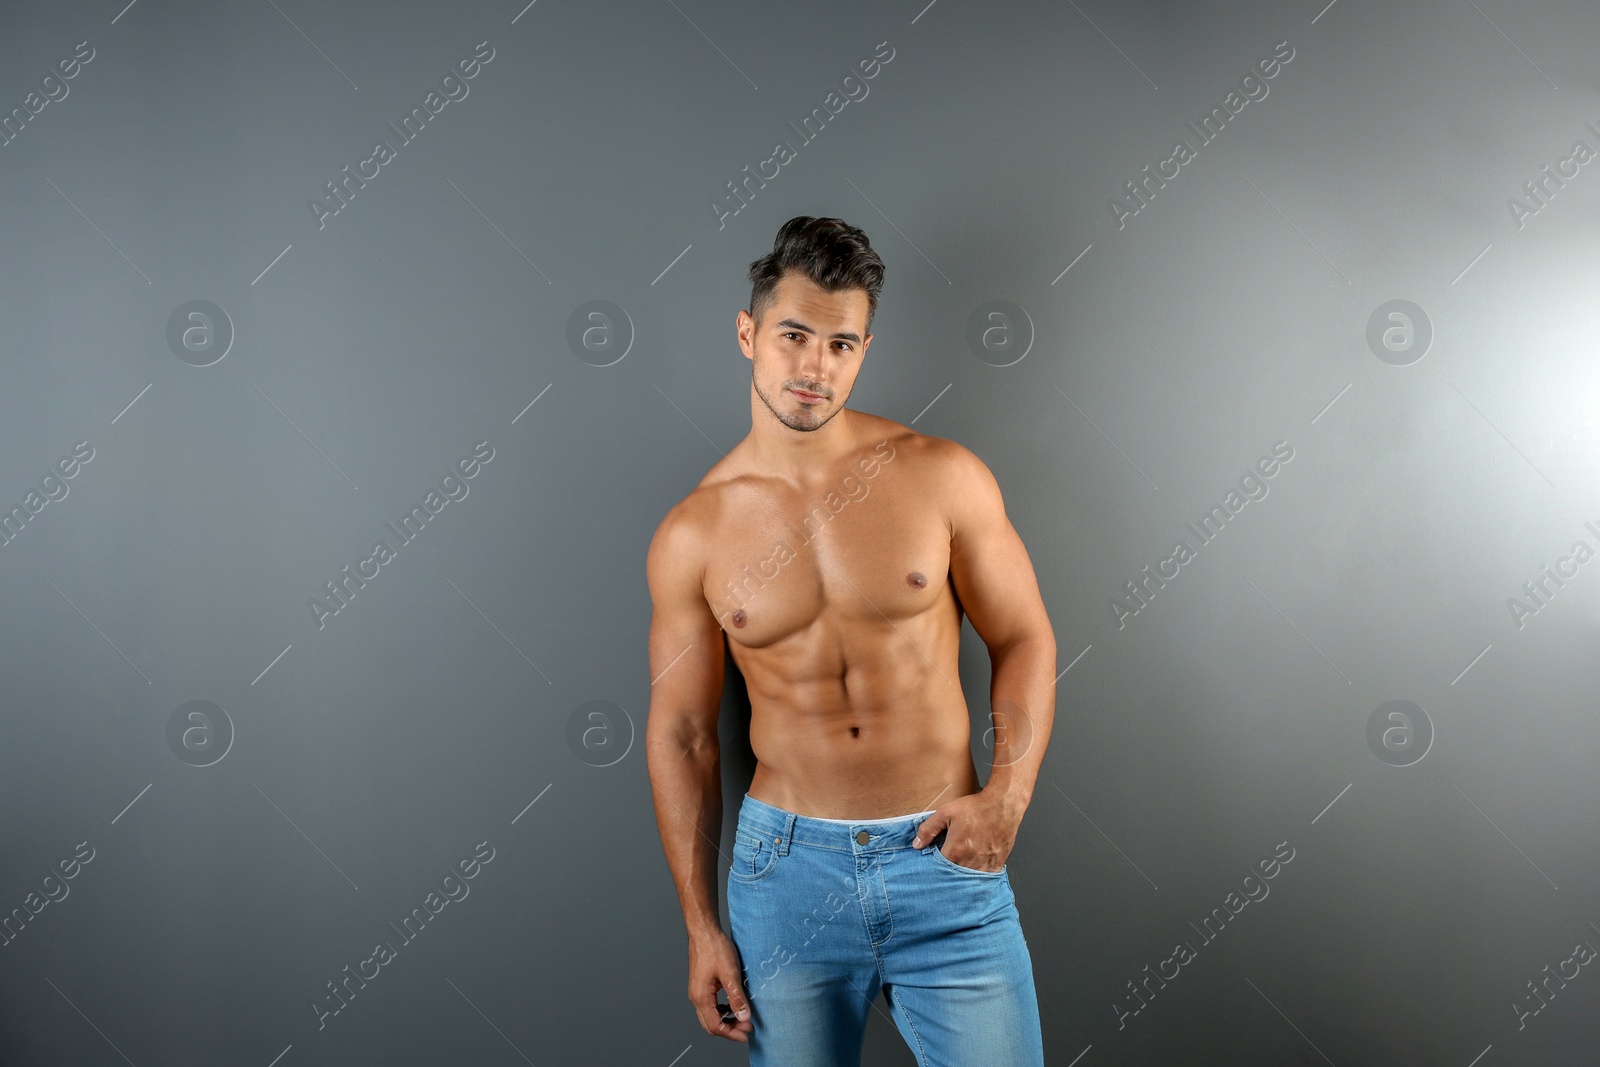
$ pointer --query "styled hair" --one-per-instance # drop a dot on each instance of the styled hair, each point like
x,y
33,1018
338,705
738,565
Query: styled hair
x,y
831,252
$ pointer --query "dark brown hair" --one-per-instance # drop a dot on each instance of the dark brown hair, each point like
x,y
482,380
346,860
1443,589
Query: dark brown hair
x,y
831,252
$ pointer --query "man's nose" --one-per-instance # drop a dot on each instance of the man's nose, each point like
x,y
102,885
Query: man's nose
x,y
812,368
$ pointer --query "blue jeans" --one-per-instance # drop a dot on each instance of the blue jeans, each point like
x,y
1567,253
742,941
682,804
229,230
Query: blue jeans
x,y
826,915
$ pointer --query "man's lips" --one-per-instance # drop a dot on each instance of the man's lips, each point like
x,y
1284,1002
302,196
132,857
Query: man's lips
x,y
805,395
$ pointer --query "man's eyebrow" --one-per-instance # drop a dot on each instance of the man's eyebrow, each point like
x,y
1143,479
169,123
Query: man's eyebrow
x,y
790,324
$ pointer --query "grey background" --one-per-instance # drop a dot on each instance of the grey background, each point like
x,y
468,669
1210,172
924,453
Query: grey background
x,y
436,711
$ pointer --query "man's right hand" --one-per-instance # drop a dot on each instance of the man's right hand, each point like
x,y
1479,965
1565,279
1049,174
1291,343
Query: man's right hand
x,y
714,964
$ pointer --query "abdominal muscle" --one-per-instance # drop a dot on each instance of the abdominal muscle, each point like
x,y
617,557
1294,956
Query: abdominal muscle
x,y
910,752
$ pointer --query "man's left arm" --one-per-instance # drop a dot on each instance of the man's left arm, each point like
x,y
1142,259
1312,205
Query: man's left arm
x,y
995,581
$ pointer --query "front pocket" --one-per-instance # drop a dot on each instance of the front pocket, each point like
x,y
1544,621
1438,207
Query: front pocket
x,y
951,864
753,856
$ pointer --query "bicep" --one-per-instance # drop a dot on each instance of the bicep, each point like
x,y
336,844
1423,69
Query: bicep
x,y
989,565
686,643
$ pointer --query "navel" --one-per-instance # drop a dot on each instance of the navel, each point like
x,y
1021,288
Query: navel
x,y
855,731
916,579
740,618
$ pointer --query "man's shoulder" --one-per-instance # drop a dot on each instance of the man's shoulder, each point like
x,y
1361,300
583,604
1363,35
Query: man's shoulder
x,y
686,531
880,434
685,522
939,458
948,476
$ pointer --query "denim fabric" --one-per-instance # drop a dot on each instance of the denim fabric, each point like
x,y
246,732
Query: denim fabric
x,y
827,925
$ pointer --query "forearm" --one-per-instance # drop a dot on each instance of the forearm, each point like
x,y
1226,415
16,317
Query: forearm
x,y
686,786
1022,696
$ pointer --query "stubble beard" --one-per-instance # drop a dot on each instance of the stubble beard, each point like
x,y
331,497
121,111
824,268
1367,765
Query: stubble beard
x,y
804,420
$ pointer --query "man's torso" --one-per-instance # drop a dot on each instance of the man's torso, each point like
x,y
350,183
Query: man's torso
x,y
836,601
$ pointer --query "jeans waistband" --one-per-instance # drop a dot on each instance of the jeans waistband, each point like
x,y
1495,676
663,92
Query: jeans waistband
x,y
783,828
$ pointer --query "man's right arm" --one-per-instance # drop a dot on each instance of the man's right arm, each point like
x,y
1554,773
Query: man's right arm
x,y
684,760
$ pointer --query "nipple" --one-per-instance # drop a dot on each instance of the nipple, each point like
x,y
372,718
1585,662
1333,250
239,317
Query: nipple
x,y
916,579
739,618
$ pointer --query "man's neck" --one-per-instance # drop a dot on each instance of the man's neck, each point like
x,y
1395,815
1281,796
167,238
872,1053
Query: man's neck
x,y
798,456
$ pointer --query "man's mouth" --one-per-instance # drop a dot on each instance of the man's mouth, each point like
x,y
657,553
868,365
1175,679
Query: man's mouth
x,y
803,395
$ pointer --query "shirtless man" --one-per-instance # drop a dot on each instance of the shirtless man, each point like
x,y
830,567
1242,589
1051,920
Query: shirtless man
x,y
836,552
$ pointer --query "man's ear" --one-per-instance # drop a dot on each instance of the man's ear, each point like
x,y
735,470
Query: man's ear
x,y
744,327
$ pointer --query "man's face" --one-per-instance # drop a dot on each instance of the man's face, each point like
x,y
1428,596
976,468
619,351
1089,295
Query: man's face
x,y
809,342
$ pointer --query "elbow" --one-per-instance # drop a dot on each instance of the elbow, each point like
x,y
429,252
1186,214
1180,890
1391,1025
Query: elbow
x,y
1039,640
680,735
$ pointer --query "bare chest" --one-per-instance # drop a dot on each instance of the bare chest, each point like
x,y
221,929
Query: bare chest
x,y
866,552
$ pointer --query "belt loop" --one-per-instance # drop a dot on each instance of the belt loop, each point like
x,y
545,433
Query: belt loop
x,y
788,834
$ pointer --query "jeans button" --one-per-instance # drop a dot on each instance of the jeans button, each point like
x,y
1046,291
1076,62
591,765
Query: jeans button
x,y
862,837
